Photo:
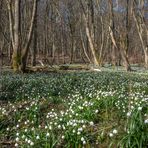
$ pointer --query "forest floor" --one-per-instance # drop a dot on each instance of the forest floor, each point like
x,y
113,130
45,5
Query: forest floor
x,y
74,109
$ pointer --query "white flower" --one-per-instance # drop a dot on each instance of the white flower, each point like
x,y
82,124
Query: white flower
x,y
8,129
73,131
23,136
46,127
82,121
139,108
146,121
32,128
17,134
59,126
115,131
25,130
63,137
82,139
84,142
63,127
111,134
37,137
80,129
75,124
50,127
26,140
96,111
47,134
17,139
91,123
16,145
78,133
128,114
31,143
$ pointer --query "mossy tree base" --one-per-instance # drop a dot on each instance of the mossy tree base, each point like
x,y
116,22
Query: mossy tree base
x,y
16,62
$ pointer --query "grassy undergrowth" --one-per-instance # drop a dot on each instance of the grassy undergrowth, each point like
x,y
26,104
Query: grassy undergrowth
x,y
74,110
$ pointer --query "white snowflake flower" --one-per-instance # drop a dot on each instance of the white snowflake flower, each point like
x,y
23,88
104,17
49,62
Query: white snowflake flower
x,y
91,123
139,108
146,121
84,142
82,139
17,139
111,134
115,131
80,129
128,114
31,143
63,137
16,145
17,134
96,111
47,134
59,126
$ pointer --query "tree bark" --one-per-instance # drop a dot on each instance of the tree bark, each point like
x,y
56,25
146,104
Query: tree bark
x,y
26,49
88,34
83,46
144,46
34,50
123,55
15,34
112,34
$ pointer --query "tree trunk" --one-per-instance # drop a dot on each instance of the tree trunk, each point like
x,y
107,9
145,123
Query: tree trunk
x,y
15,35
102,42
127,27
146,57
125,60
123,55
26,49
34,50
112,34
83,46
144,47
91,47
88,34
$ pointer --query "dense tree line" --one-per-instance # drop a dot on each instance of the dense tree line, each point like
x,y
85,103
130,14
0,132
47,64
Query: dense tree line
x,y
68,31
